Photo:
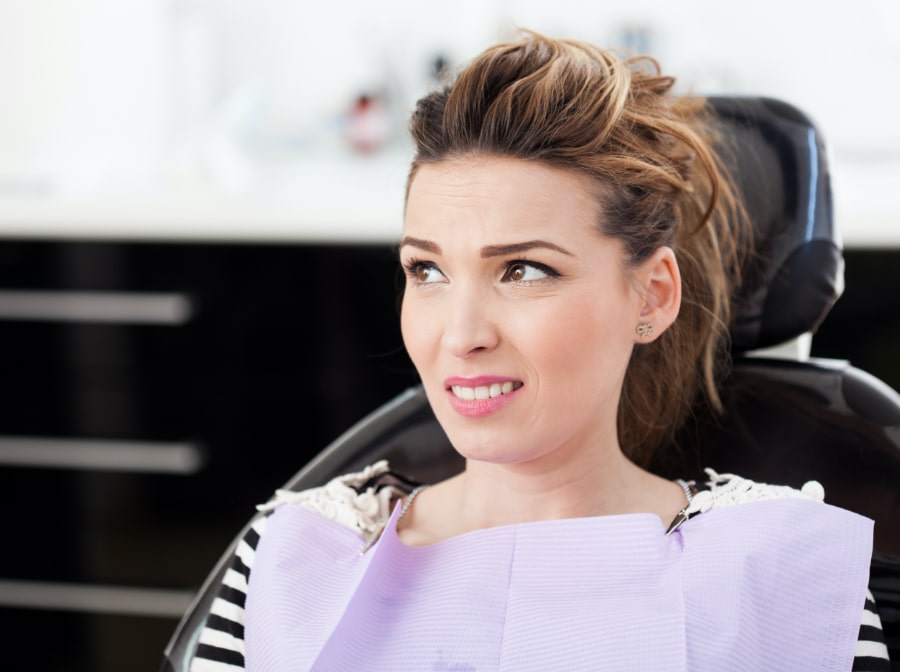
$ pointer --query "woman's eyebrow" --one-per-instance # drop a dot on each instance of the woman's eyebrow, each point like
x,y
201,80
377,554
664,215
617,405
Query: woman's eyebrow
x,y
426,245
513,248
488,250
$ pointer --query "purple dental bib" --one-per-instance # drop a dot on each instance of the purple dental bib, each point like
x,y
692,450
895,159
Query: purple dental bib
x,y
769,585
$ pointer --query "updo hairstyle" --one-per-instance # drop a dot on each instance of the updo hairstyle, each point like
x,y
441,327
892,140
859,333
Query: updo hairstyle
x,y
572,105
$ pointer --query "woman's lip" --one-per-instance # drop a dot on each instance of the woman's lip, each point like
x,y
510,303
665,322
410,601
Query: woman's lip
x,y
478,381
477,408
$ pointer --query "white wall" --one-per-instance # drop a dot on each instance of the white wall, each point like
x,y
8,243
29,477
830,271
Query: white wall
x,y
82,99
111,96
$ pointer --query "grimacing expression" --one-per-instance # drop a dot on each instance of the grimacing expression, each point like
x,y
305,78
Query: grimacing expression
x,y
518,314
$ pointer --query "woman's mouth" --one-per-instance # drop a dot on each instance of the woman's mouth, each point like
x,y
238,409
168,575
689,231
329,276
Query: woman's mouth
x,y
481,396
482,392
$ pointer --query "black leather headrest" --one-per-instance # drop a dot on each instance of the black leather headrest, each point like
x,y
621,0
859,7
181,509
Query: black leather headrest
x,y
778,159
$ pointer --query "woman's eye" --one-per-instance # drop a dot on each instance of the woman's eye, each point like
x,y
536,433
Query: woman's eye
x,y
424,273
521,271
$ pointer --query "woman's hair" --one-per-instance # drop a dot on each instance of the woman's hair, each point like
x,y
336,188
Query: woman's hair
x,y
572,105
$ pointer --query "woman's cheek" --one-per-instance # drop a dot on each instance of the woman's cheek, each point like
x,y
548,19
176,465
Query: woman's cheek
x,y
416,328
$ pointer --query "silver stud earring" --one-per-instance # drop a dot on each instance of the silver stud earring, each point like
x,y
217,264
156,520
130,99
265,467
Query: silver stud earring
x,y
644,330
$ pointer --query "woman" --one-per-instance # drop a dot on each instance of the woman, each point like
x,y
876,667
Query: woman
x,y
571,245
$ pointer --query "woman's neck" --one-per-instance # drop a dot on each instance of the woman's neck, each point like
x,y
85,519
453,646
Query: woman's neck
x,y
489,495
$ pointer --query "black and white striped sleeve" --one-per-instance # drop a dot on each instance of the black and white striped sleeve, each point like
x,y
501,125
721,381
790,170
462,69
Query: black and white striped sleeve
x,y
220,647
871,651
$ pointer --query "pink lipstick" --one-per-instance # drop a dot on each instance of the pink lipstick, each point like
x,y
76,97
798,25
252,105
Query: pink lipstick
x,y
482,395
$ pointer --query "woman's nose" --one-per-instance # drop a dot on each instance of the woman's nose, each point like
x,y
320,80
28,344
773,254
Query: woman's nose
x,y
469,327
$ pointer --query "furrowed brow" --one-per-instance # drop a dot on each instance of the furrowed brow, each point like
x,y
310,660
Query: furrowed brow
x,y
514,248
425,245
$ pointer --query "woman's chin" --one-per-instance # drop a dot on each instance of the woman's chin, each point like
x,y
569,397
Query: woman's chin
x,y
502,450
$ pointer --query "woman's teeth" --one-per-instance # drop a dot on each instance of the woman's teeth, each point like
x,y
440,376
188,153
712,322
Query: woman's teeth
x,y
484,391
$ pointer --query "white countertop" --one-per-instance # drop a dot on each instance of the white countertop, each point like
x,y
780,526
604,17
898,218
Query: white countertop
x,y
333,198
336,200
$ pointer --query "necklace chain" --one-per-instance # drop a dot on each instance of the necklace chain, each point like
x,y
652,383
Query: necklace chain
x,y
689,495
409,499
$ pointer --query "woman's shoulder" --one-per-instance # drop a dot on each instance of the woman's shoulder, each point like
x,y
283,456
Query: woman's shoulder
x,y
724,490
361,501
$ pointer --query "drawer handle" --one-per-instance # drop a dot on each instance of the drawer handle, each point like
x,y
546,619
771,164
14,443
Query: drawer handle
x,y
111,307
94,598
102,455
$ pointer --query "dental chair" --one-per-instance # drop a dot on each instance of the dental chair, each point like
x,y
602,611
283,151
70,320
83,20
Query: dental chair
x,y
788,418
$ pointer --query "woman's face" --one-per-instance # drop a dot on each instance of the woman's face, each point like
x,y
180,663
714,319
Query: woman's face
x,y
518,314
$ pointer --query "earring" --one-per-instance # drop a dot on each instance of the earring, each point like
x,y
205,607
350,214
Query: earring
x,y
644,329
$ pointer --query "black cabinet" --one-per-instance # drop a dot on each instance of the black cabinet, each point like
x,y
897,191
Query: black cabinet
x,y
152,394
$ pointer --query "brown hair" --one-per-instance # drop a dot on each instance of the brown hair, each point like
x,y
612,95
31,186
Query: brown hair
x,y
573,105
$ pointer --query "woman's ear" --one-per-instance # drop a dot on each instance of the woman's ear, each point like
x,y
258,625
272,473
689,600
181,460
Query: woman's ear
x,y
660,286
